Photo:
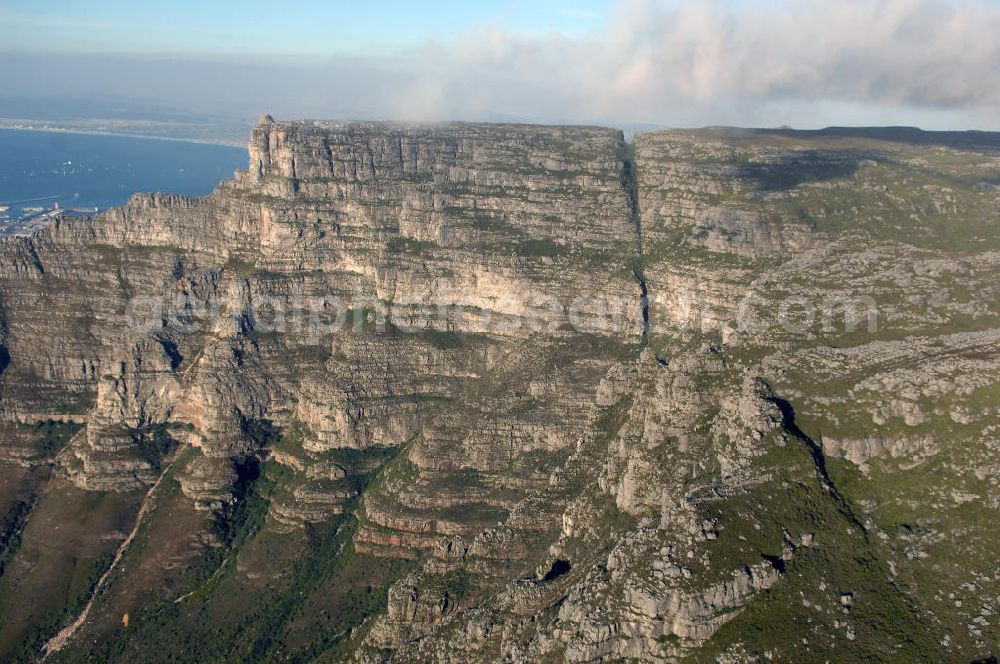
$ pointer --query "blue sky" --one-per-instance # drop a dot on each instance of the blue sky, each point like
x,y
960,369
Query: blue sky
x,y
272,27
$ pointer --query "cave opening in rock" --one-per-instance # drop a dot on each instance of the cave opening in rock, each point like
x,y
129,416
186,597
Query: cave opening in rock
x,y
776,561
559,568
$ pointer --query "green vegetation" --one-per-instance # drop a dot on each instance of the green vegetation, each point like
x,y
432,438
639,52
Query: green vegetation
x,y
52,436
155,442
308,609
85,578
885,623
11,529
410,245
240,265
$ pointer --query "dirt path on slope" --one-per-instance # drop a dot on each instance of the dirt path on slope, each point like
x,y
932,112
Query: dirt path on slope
x,y
57,642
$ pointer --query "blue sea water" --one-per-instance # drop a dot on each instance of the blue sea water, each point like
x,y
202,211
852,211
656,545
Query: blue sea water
x,y
81,171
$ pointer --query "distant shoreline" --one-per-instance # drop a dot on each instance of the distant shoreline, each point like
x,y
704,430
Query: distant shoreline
x,y
86,132
87,170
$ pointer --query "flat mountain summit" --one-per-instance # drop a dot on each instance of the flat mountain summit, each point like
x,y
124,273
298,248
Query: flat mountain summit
x,y
513,393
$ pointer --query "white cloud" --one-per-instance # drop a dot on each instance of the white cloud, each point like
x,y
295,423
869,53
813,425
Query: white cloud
x,y
659,61
666,62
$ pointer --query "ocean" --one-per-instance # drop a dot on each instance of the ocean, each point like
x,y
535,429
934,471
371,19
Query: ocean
x,y
84,172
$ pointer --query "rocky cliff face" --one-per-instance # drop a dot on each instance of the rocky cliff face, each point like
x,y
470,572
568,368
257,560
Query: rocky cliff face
x,y
511,393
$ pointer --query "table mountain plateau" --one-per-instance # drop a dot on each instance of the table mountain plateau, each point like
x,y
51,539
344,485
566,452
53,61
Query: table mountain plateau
x,y
488,393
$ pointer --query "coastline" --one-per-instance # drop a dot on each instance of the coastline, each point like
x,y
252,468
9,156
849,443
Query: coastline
x,y
114,171
85,132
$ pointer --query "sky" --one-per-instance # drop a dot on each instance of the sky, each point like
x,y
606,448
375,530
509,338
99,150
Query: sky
x,y
296,27
804,63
